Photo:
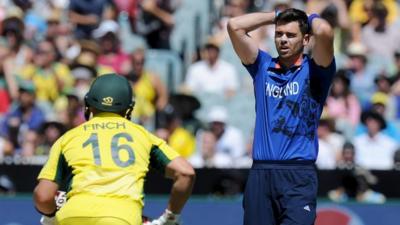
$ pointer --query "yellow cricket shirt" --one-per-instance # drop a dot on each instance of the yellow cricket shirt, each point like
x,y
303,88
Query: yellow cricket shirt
x,y
102,163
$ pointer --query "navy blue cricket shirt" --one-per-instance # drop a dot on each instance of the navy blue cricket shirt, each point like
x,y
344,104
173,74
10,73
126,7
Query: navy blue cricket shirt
x,y
288,107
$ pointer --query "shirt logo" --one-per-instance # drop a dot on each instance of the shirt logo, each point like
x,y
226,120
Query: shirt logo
x,y
289,89
107,101
307,208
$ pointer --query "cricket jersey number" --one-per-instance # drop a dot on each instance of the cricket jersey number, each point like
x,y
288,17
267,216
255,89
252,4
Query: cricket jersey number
x,y
115,149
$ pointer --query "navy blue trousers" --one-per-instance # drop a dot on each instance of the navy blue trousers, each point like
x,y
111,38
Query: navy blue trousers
x,y
281,193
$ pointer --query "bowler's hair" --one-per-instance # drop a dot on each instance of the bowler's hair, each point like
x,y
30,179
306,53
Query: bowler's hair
x,y
294,15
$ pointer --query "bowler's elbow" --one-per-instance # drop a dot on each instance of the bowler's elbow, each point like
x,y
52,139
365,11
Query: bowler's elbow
x,y
233,25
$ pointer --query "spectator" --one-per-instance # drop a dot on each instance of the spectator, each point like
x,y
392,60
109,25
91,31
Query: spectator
x,y
21,124
212,75
360,12
342,105
171,130
150,92
329,143
111,52
395,89
48,134
379,103
229,138
34,20
13,29
356,181
60,32
69,109
53,21
88,55
84,70
131,8
186,106
235,8
374,150
207,155
6,80
384,95
377,30
361,76
155,21
86,15
247,159
347,157
397,64
49,76
382,103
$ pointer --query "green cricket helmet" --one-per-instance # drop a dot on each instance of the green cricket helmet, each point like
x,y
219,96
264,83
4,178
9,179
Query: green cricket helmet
x,y
110,93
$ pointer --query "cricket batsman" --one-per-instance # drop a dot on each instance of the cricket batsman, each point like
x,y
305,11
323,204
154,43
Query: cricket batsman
x,y
103,163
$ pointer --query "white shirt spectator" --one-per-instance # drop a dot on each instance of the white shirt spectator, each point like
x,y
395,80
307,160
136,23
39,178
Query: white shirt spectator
x,y
231,142
219,160
230,139
218,79
329,150
206,155
375,153
390,37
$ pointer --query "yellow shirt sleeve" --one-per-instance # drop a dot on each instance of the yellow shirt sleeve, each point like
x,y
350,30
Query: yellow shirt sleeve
x,y
54,169
161,153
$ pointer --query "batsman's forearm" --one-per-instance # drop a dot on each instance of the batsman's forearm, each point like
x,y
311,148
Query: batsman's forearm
x,y
180,193
45,207
251,21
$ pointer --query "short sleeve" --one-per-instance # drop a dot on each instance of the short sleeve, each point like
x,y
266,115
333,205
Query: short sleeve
x,y
161,154
262,58
54,169
321,79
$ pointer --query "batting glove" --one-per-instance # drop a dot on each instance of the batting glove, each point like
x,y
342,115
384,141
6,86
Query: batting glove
x,y
61,199
167,218
45,220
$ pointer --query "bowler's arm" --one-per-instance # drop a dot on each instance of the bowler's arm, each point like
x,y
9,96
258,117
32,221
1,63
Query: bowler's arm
x,y
322,51
239,27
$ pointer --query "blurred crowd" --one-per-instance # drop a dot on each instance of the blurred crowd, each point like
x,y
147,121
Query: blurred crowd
x,y
51,50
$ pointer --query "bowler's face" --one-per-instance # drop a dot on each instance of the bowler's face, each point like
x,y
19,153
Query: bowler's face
x,y
289,40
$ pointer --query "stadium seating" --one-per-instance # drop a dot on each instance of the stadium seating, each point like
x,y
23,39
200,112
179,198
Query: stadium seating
x,y
168,65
